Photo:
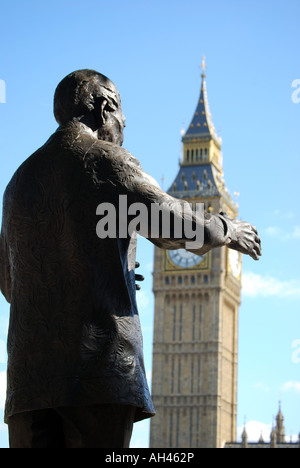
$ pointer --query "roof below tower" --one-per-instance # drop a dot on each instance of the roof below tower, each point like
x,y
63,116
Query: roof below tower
x,y
194,181
197,181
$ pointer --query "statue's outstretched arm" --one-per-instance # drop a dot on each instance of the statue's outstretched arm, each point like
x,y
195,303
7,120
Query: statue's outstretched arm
x,y
217,229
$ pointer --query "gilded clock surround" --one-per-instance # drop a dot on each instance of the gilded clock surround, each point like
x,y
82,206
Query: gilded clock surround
x,y
234,264
204,265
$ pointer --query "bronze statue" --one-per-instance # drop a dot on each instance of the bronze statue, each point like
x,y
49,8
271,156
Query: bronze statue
x,y
76,376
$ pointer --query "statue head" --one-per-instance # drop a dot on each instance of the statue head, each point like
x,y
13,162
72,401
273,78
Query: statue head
x,y
90,97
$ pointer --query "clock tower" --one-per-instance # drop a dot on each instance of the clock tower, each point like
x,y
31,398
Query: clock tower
x,y
195,348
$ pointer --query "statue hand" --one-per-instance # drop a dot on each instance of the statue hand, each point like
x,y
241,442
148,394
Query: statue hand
x,y
138,277
243,237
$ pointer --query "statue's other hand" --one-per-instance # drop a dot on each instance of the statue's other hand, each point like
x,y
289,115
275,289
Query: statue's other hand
x,y
244,238
138,277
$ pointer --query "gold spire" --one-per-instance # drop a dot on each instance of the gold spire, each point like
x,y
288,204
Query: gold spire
x,y
203,66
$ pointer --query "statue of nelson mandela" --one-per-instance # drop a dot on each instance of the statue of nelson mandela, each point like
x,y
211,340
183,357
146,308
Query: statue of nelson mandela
x,y
76,376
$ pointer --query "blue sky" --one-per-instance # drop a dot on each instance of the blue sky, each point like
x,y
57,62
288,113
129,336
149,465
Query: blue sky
x,y
152,50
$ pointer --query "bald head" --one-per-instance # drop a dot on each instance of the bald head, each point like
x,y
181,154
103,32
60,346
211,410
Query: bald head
x,y
77,94
92,98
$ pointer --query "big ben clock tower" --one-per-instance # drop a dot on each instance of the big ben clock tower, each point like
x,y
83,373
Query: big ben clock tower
x,y
195,349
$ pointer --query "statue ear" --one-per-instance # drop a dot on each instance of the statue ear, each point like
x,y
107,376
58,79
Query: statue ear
x,y
100,112
103,112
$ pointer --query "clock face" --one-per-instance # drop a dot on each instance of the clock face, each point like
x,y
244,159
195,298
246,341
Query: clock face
x,y
235,263
184,259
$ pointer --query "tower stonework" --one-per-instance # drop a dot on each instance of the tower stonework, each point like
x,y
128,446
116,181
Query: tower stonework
x,y
197,299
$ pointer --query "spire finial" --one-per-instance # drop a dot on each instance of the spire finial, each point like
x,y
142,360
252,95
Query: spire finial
x,y
203,66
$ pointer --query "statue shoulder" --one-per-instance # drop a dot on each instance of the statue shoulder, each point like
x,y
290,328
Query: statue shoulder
x,y
118,152
117,157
